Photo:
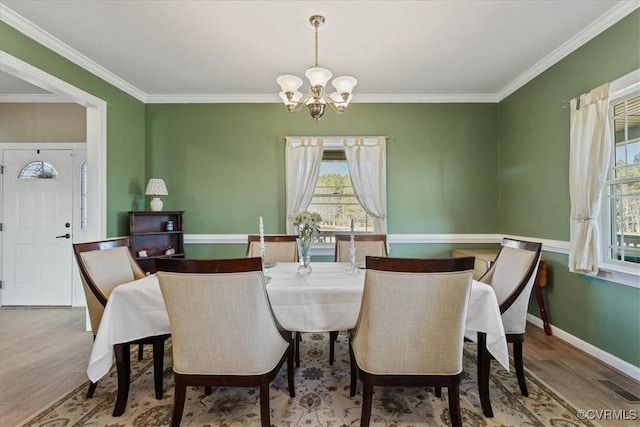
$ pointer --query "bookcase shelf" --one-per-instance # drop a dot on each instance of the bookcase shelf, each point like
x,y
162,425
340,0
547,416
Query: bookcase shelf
x,y
149,234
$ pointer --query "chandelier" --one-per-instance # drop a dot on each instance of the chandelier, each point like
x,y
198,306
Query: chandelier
x,y
318,77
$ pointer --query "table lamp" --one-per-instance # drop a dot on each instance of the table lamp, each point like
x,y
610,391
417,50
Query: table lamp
x,y
155,188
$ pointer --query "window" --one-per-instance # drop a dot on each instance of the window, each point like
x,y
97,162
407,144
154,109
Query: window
x,y
623,184
83,196
341,178
38,170
335,200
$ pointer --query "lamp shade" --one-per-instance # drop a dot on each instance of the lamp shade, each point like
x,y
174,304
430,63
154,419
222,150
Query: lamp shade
x,y
156,187
318,76
289,83
344,84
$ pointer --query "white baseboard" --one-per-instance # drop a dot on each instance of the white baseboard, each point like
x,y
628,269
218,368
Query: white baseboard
x,y
611,360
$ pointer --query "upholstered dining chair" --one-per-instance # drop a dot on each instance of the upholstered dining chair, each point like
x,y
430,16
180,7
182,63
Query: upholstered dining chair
x,y
246,348
512,276
278,247
103,266
411,327
366,245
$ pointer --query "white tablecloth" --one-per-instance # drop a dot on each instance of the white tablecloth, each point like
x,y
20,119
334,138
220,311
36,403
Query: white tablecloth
x,y
327,300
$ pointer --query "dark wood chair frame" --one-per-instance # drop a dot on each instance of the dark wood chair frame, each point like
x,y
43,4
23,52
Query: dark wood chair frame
x,y
452,382
517,340
122,351
208,381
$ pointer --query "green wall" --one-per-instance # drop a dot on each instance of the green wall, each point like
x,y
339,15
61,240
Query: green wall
x,y
224,163
534,187
125,125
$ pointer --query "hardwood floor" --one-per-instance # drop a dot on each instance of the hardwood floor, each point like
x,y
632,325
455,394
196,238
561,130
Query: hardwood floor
x,y
44,353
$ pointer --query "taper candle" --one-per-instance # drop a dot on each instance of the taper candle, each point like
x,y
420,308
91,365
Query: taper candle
x,y
261,226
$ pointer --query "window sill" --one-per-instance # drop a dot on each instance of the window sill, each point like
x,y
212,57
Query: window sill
x,y
628,276
323,249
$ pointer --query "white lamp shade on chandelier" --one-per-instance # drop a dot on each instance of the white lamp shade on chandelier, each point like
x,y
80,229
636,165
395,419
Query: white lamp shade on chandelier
x,y
156,187
316,98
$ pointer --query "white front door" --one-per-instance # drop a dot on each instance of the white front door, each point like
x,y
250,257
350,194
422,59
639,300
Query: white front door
x,y
37,227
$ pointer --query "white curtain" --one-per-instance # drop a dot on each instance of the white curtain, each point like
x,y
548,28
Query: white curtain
x,y
303,157
366,158
589,156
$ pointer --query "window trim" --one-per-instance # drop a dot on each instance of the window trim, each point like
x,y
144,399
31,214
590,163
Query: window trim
x,y
622,272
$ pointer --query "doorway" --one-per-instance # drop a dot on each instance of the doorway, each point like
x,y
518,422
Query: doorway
x,y
96,141
41,188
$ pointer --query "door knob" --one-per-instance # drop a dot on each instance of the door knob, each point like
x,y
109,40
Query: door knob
x,y
64,236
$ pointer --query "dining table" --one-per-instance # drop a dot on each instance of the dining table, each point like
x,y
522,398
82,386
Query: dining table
x,y
326,300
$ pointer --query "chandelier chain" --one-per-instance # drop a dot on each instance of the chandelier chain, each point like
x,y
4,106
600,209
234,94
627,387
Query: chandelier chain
x,y
316,44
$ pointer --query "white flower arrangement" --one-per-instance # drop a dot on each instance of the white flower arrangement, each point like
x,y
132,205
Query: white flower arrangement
x,y
308,224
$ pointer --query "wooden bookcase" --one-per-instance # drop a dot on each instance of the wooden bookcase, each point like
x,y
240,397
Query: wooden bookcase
x,y
148,232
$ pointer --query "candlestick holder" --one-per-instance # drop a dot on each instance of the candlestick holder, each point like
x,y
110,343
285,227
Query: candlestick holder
x,y
265,267
353,268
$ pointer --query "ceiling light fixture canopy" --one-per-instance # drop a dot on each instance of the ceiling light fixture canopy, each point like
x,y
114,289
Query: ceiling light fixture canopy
x,y
318,77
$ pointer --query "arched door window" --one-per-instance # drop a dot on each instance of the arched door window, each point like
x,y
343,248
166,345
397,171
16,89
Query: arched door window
x,y
38,170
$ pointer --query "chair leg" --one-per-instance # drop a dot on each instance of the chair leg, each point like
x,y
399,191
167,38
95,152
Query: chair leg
x,y
290,357
297,340
265,416
92,389
437,391
123,366
178,403
140,351
208,390
454,405
354,374
158,365
484,361
333,336
367,398
517,360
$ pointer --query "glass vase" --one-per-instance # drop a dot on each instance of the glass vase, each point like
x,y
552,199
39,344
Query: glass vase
x,y
305,265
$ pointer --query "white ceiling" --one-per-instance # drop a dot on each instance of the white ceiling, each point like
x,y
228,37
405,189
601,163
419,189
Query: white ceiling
x,y
233,51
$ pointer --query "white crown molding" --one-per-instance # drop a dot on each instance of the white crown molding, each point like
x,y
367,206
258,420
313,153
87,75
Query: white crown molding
x,y
213,99
364,98
36,98
608,358
38,34
596,27
358,98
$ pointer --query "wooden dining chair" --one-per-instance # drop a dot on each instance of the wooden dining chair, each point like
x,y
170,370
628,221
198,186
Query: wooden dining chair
x,y
411,327
246,348
278,247
103,266
512,276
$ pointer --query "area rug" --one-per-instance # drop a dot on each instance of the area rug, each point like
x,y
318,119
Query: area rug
x,y
322,399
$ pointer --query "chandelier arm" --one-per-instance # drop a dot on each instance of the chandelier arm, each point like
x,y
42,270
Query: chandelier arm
x,y
298,105
333,106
